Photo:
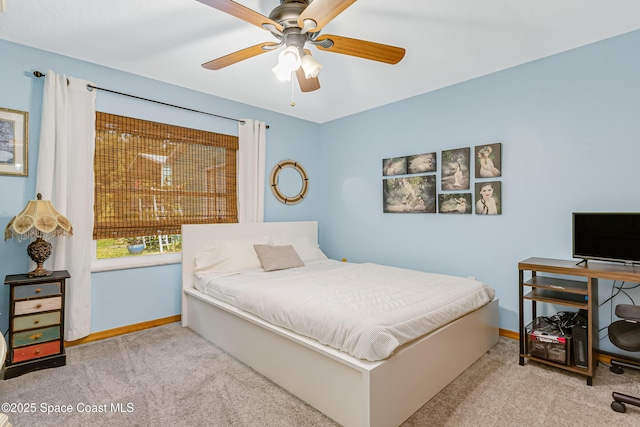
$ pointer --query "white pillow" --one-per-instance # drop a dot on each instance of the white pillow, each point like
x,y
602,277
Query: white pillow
x,y
307,248
229,256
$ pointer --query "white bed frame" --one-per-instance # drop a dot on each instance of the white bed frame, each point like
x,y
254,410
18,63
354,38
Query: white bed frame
x,y
351,391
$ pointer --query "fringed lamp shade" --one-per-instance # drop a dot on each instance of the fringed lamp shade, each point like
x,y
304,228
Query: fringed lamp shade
x,y
42,221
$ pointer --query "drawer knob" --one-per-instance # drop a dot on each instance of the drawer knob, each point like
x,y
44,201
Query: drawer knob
x,y
38,290
39,306
35,336
37,351
35,322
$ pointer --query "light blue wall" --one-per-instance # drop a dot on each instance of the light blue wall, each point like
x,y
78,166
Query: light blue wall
x,y
570,132
131,296
568,125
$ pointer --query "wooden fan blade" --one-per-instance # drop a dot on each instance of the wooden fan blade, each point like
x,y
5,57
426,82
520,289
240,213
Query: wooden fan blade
x,y
363,49
307,85
238,56
241,12
323,11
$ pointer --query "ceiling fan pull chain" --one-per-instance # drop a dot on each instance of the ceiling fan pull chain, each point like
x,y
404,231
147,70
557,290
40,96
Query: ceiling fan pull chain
x,y
293,103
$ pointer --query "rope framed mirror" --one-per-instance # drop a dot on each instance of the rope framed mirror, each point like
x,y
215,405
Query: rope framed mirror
x,y
284,194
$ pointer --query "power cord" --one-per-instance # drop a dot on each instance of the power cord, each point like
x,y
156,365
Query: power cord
x,y
615,291
563,320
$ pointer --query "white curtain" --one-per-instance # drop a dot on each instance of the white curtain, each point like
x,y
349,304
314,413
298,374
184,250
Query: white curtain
x,y
65,176
252,141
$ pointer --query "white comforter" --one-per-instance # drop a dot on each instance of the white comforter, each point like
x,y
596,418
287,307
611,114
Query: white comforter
x,y
366,310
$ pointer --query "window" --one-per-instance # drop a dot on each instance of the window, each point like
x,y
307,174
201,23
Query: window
x,y
150,178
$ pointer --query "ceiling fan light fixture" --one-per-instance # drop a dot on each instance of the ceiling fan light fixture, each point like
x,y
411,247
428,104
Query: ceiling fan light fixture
x,y
310,66
289,59
282,73
308,24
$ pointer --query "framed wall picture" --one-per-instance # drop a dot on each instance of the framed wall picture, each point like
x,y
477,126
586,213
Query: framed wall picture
x,y
419,163
488,160
489,198
454,203
14,142
455,169
415,194
394,166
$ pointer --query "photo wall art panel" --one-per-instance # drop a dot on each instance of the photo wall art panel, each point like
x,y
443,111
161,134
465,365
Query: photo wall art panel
x,y
14,142
455,203
415,194
394,166
489,198
455,169
421,163
488,160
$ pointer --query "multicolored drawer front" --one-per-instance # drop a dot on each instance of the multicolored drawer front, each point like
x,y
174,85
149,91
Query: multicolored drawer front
x,y
36,323
36,291
37,305
35,351
36,335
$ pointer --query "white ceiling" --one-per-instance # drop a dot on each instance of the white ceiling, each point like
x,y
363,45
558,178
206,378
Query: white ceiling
x,y
447,41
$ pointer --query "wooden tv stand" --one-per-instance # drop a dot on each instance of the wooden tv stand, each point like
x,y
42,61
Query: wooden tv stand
x,y
577,294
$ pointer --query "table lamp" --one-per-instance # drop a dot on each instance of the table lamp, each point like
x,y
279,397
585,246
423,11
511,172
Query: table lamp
x,y
42,221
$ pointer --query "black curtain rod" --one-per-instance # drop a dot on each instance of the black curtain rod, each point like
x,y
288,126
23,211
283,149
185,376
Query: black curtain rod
x,y
39,74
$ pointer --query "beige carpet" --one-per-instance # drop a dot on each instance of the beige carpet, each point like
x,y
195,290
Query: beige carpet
x,y
169,376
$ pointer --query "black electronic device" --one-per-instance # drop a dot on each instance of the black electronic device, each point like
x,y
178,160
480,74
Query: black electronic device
x,y
580,340
606,236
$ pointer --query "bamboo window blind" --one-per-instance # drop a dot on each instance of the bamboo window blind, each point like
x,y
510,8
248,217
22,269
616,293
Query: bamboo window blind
x,y
150,178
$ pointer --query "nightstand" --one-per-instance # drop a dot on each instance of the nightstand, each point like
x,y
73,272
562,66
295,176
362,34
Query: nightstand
x,y
36,323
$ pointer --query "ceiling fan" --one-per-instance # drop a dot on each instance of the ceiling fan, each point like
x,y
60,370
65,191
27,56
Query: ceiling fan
x,y
295,23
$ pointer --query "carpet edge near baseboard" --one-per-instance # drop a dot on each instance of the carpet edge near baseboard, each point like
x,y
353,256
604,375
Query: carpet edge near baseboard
x,y
123,330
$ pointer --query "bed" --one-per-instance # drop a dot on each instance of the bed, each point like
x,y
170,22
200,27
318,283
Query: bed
x,y
351,390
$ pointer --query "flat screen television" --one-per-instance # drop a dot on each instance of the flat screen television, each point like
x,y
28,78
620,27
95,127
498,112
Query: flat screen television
x,y
606,236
